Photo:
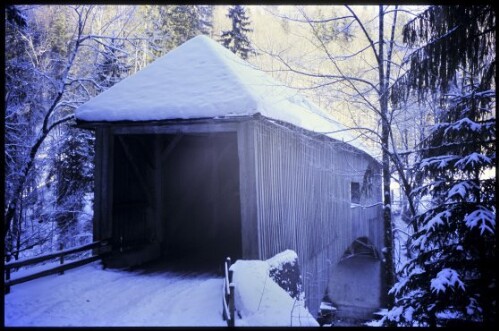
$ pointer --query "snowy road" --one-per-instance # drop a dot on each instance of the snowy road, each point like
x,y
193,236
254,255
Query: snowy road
x,y
90,296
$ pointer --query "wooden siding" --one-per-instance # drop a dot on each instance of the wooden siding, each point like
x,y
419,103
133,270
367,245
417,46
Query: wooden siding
x,y
103,174
303,200
247,192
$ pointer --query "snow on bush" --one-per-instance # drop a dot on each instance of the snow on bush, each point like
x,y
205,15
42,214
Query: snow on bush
x,y
260,301
278,260
285,271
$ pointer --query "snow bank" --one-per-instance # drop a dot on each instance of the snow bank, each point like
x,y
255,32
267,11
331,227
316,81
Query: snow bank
x,y
202,79
260,301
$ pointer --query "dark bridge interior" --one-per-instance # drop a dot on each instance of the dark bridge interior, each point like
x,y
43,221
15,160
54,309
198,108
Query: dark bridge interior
x,y
187,183
201,198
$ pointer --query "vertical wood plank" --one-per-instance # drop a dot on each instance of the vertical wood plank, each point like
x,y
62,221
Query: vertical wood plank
x,y
249,227
157,226
232,306
103,185
98,186
107,180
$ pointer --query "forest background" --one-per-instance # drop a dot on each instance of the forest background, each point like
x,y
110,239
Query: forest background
x,y
407,85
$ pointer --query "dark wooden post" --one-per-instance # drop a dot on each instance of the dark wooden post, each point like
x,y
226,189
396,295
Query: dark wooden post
x,y
231,321
103,245
61,247
232,307
228,263
7,278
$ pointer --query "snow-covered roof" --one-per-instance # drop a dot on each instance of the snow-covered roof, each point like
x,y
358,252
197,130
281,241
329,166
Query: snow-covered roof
x,y
202,79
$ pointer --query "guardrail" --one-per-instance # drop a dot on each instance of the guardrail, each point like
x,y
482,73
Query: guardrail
x,y
229,307
59,269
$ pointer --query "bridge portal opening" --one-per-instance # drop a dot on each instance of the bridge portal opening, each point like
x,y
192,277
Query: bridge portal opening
x,y
355,285
175,198
201,217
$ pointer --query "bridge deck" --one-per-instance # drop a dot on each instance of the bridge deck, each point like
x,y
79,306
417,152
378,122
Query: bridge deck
x,y
156,295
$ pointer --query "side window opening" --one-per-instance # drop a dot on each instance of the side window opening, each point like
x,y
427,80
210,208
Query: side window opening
x,y
367,183
355,192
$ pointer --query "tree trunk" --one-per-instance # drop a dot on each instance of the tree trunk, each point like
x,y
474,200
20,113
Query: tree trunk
x,y
385,131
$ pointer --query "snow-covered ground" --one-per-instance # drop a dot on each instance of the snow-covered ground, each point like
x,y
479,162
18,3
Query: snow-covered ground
x,y
90,296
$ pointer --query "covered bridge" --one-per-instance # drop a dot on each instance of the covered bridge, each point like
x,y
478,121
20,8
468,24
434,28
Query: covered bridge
x,y
201,155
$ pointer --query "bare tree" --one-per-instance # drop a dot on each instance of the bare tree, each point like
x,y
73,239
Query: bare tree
x,y
48,76
362,75
57,58
47,111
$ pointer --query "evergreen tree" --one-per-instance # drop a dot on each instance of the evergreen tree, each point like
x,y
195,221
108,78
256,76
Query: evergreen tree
x,y
205,19
236,39
175,24
184,23
72,173
451,277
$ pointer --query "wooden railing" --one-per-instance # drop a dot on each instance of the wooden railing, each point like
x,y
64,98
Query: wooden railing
x,y
102,244
228,295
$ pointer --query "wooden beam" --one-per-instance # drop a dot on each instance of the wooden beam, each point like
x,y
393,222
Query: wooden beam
x,y
136,170
205,127
98,217
103,202
143,151
158,190
107,232
171,124
171,146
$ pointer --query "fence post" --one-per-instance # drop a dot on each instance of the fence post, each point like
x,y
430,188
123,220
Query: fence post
x,y
228,262
7,278
103,244
61,247
232,307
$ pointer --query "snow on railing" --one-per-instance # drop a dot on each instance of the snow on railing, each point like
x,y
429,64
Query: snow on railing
x,y
228,295
102,244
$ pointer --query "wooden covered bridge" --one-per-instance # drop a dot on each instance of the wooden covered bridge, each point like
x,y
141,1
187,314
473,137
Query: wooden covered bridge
x,y
201,155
